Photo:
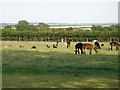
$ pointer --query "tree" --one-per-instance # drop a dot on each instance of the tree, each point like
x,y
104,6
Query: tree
x,y
33,28
69,29
22,25
8,27
43,27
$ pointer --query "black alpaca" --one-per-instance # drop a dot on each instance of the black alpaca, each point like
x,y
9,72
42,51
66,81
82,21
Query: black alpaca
x,y
78,47
34,47
54,46
97,45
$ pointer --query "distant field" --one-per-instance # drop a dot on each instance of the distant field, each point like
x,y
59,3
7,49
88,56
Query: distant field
x,y
71,26
81,27
44,67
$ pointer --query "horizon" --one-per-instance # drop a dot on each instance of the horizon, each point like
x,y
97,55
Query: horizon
x,y
55,23
63,24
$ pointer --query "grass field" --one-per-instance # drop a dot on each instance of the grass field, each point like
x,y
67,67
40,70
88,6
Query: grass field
x,y
44,67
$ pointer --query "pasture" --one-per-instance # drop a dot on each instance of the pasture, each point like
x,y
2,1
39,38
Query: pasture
x,y
44,67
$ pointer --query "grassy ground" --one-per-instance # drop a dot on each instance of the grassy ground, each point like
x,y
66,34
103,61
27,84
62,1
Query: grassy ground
x,y
44,67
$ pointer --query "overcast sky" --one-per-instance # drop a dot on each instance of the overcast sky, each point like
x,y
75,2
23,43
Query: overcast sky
x,y
59,11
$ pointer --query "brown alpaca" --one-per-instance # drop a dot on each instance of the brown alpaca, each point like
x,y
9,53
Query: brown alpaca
x,y
113,43
89,46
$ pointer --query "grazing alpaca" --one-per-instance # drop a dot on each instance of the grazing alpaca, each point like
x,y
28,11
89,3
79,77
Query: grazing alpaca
x,y
21,46
68,43
54,46
34,47
47,46
83,46
78,47
90,47
97,45
57,43
113,43
93,45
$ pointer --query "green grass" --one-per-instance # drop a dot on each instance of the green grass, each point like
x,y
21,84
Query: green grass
x,y
57,68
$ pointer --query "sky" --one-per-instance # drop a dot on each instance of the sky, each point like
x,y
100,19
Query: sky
x,y
59,11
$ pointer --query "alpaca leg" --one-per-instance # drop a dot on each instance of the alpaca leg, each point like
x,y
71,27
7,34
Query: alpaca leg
x,y
111,47
117,47
67,45
84,51
81,51
75,51
78,51
90,51
95,50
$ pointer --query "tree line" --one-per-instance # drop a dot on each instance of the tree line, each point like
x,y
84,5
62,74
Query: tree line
x,y
25,31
